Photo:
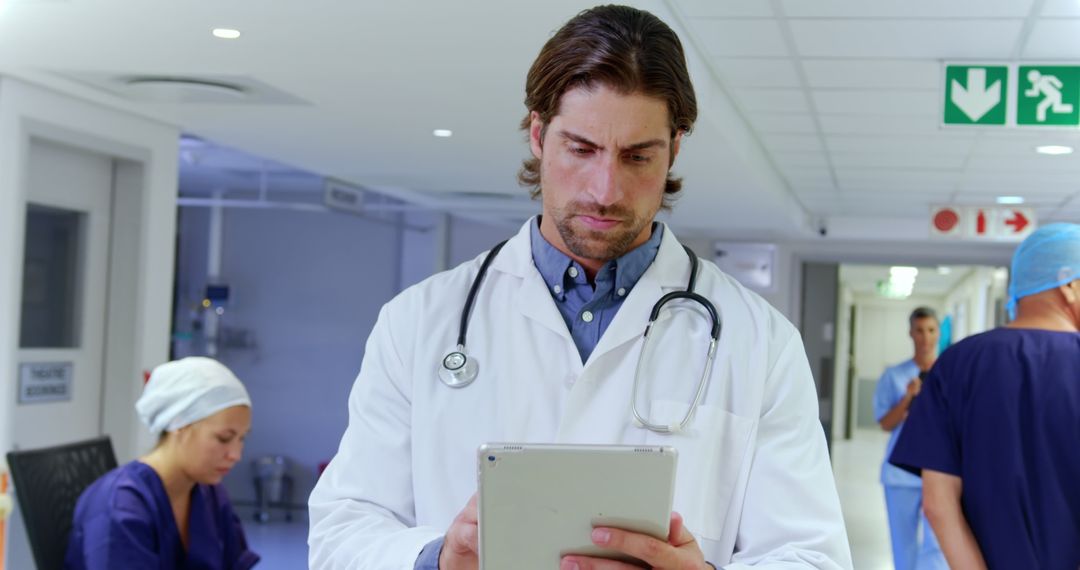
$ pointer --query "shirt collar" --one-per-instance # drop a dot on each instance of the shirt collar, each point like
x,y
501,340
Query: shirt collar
x,y
553,264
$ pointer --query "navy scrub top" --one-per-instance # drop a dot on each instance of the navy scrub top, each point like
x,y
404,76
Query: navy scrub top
x,y
124,520
1001,410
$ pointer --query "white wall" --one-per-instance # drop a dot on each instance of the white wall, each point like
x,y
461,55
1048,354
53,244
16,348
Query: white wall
x,y
142,251
844,302
971,302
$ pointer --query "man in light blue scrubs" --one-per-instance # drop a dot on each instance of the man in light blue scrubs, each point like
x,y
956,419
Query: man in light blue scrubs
x,y
896,390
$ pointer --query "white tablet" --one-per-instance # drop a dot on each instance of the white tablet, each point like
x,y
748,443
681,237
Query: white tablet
x,y
539,503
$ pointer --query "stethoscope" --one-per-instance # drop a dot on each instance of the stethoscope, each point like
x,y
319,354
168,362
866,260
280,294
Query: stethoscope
x,y
458,370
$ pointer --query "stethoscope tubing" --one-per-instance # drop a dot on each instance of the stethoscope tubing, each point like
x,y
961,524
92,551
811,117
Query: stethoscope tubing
x,y
466,369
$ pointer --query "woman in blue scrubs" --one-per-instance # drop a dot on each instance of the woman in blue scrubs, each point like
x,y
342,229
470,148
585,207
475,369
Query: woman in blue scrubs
x,y
168,510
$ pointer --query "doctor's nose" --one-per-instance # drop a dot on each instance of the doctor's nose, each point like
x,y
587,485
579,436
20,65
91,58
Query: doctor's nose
x,y
603,186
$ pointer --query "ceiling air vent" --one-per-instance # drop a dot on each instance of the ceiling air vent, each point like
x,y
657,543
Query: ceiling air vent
x,y
164,89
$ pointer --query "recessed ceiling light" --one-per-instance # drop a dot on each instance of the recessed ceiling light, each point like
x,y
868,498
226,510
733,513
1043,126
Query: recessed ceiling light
x,y
1054,149
226,33
1010,200
443,133
943,270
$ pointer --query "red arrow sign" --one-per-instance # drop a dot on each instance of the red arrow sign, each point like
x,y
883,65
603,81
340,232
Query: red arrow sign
x,y
1018,221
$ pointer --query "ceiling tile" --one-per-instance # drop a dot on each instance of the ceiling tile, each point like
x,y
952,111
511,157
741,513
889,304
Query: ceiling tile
x,y
906,9
724,9
987,197
936,39
788,143
815,159
902,206
896,179
902,145
1055,8
772,100
897,103
1054,40
1030,164
1022,145
896,160
757,72
878,124
816,177
782,123
740,38
873,74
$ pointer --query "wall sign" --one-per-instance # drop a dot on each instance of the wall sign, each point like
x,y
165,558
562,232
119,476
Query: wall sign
x,y
45,382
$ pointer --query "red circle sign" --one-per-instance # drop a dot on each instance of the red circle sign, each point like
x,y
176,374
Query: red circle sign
x,y
946,220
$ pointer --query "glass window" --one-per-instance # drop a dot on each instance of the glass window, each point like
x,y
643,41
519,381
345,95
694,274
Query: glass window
x,y
50,278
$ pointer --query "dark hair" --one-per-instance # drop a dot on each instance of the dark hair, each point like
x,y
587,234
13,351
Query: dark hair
x,y
622,48
922,313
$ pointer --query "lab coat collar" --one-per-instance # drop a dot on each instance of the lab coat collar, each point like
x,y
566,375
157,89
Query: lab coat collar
x,y
668,272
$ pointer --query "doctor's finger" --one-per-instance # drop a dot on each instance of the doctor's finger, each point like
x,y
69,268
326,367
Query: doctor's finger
x,y
468,514
586,563
658,553
678,535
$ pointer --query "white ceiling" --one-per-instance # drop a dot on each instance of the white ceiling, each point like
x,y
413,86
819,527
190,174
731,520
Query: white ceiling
x,y
810,111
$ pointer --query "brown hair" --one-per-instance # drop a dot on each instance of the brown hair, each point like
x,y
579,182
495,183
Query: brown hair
x,y
922,313
623,48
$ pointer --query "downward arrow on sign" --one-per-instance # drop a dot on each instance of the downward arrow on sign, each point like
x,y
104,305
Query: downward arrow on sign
x,y
976,99
1018,221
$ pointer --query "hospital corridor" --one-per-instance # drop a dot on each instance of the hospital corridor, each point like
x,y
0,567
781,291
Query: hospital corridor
x,y
670,284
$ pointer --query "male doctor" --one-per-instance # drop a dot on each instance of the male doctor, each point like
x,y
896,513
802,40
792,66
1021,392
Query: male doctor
x,y
556,329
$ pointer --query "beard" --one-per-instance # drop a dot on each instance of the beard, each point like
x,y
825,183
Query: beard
x,y
606,245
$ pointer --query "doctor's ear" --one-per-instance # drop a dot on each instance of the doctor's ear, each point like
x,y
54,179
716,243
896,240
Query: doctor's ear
x,y
537,130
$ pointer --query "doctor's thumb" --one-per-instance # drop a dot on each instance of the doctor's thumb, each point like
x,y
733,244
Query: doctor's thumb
x,y
677,533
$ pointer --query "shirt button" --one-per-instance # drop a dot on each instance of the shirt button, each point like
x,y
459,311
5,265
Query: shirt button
x,y
572,271
622,291
557,289
587,316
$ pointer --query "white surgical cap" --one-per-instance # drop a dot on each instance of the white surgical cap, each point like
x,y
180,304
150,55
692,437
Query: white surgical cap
x,y
1048,258
185,391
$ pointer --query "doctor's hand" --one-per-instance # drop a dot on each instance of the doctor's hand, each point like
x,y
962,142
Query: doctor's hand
x,y
679,552
460,550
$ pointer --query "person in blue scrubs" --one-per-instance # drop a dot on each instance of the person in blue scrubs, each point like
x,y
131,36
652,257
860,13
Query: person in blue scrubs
x,y
913,543
168,510
996,429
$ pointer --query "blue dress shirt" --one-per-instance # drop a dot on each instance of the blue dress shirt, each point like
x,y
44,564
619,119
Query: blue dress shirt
x,y
588,309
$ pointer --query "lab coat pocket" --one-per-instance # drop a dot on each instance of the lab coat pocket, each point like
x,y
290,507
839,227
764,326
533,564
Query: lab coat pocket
x,y
713,450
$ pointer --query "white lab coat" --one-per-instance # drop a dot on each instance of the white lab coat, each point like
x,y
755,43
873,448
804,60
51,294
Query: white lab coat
x,y
754,483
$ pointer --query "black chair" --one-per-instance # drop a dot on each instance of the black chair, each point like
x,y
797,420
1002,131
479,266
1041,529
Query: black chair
x,y
48,483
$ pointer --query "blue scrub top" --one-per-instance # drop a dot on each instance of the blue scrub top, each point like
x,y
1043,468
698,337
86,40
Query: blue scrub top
x,y
1001,410
891,388
124,520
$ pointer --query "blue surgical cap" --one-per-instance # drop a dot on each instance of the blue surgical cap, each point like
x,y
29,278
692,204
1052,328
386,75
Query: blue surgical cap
x,y
1048,258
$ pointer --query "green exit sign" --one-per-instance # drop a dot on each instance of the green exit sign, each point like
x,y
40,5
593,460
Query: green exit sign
x,y
976,95
999,94
1049,95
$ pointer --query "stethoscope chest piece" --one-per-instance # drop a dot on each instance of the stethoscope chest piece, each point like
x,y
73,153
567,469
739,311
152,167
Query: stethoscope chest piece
x,y
457,369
